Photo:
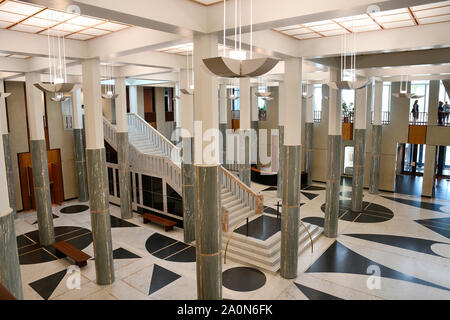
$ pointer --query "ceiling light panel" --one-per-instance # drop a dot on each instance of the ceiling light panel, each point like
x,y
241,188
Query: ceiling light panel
x,y
4,24
389,12
68,27
25,28
54,15
11,17
325,27
393,18
86,21
297,31
80,36
334,32
295,26
431,5
111,26
37,22
17,56
96,32
307,36
358,23
373,27
434,19
398,24
432,12
358,17
20,8
54,32
318,23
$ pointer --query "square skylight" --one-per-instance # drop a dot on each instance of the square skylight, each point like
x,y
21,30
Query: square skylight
x,y
18,56
393,18
334,32
366,28
68,27
431,5
307,36
85,21
295,26
434,19
4,54
20,8
357,23
297,31
432,12
389,12
25,28
11,17
54,32
317,23
325,27
111,26
4,24
398,24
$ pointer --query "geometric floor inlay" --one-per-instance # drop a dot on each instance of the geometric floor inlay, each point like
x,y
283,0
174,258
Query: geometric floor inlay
x,y
46,286
438,225
74,209
161,277
313,294
169,249
243,279
371,213
261,228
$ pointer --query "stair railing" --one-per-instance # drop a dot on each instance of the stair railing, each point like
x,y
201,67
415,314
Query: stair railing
x,y
309,235
231,236
240,190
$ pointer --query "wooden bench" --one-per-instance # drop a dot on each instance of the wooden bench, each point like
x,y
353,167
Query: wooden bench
x,y
168,224
78,256
5,294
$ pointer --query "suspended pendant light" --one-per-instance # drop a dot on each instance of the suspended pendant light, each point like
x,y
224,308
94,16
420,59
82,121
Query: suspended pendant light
x,y
237,66
110,90
57,64
190,90
263,91
305,91
60,97
4,95
233,96
348,75
403,92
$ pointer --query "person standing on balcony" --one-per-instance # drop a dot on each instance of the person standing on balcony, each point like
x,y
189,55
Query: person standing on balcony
x,y
415,111
441,113
447,111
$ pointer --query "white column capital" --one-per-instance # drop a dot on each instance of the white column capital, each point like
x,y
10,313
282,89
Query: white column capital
x,y
35,103
121,105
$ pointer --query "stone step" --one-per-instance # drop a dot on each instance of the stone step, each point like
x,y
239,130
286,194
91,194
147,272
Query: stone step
x,y
232,221
229,203
236,205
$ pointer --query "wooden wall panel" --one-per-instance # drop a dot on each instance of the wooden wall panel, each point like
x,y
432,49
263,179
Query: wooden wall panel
x,y
417,134
347,131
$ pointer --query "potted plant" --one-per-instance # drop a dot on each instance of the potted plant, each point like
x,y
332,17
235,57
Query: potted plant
x,y
347,110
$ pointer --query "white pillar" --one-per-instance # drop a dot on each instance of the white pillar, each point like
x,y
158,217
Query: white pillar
x,y
35,104
309,107
133,99
335,108
223,104
121,105
3,116
76,109
293,102
281,103
244,96
377,102
93,104
254,104
186,105
360,121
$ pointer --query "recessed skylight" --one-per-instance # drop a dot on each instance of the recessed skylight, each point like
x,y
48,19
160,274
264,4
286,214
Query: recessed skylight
x,y
85,21
37,22
54,15
95,32
25,28
20,8
80,36
11,17
112,26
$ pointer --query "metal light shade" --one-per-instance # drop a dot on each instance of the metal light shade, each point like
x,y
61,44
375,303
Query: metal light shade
x,y
305,95
268,98
54,88
348,85
60,98
232,68
4,95
110,95
407,95
263,94
233,97
187,91
176,98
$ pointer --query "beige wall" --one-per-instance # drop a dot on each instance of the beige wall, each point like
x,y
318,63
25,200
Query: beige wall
x,y
59,139
164,127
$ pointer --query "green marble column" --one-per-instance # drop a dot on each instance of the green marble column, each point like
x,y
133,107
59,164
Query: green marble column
x,y
208,221
42,192
280,161
359,160
187,174
244,157
9,174
123,147
9,259
80,160
333,186
377,131
100,217
309,128
291,211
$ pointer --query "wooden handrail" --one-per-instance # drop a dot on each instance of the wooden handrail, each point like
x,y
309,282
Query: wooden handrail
x,y
239,182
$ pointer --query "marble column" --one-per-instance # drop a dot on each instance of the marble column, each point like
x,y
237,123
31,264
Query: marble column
x,y
7,151
377,132
244,131
39,160
207,173
281,120
123,148
187,165
359,151
291,165
309,132
80,147
9,259
223,120
333,161
97,173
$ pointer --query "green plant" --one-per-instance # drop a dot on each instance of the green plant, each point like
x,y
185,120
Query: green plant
x,y
347,109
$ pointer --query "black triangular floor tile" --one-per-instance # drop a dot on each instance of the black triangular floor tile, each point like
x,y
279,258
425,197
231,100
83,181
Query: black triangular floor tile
x,y
160,278
313,294
438,225
120,223
310,196
122,253
46,286
340,259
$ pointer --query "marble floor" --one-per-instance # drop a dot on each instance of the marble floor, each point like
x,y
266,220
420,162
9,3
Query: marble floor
x,y
398,248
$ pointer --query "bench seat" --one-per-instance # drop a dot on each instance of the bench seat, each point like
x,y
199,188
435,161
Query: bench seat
x,y
78,256
168,224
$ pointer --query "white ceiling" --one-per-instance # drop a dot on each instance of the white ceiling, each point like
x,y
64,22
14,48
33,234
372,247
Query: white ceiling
x,y
25,17
405,17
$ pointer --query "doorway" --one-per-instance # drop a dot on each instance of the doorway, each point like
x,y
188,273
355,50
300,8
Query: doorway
x,y
442,183
413,159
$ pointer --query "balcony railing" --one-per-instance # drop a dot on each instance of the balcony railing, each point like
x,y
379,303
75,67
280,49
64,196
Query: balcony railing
x,y
385,117
418,119
317,116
